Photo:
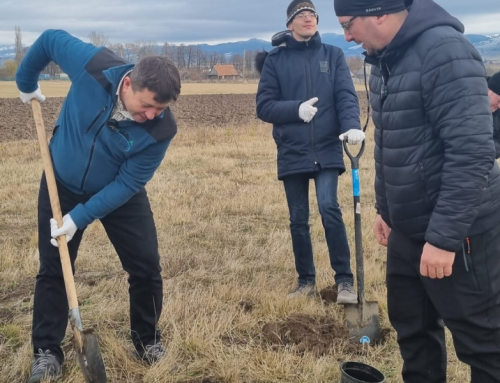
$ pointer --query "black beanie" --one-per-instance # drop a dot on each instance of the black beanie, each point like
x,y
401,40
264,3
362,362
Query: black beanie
x,y
368,7
494,83
297,6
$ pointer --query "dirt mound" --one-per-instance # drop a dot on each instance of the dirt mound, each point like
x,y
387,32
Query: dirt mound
x,y
329,294
316,335
16,120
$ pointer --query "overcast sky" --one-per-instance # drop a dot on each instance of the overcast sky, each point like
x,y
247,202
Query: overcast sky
x,y
192,21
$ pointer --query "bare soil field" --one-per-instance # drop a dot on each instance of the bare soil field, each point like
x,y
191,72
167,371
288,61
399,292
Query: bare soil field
x,y
16,121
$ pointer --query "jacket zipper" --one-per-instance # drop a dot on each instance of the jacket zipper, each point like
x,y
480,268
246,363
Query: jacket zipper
x,y
309,96
96,119
84,178
90,157
468,261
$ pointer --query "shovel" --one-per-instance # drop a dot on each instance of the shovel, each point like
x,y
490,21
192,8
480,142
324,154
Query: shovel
x,y
362,319
85,342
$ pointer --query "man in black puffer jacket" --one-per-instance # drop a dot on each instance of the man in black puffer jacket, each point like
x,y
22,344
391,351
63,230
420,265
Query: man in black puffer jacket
x,y
494,95
437,184
307,93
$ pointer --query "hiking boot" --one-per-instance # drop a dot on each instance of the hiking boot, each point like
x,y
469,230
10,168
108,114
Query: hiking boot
x,y
346,294
307,290
44,366
152,353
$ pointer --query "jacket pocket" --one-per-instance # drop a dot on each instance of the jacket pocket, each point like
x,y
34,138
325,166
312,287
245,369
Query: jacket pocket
x,y
469,263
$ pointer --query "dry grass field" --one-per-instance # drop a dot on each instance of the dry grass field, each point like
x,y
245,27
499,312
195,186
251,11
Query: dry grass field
x,y
227,266
60,88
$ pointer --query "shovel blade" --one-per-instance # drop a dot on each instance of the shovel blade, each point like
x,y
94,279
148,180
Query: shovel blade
x,y
90,359
363,320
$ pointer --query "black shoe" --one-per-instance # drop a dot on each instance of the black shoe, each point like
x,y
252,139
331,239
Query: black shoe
x,y
152,353
44,366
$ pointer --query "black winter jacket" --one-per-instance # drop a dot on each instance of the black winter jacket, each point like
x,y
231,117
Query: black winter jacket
x,y
436,175
293,73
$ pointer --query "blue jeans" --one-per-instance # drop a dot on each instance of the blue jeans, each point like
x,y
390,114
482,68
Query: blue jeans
x,y
297,195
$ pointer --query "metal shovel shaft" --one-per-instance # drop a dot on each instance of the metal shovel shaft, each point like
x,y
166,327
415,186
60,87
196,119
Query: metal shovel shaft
x,y
362,319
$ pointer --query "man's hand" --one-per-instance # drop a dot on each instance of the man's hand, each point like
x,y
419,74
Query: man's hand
x,y
436,263
381,230
37,95
68,228
354,136
307,111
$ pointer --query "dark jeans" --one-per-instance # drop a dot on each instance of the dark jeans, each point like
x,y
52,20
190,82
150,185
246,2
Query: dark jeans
x,y
297,195
132,232
467,301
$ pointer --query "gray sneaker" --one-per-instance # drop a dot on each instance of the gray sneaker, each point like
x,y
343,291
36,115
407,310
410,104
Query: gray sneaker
x,y
308,291
346,294
44,366
152,353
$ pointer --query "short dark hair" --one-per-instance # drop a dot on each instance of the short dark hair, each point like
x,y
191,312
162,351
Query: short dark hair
x,y
158,75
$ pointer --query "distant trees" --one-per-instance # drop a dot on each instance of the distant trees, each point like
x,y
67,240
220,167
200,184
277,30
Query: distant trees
x,y
191,57
18,42
8,69
99,39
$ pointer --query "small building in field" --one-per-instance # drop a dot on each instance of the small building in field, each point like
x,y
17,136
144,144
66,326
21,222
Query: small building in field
x,y
223,72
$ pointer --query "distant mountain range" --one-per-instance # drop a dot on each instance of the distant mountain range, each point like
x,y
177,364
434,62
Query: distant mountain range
x,y
488,46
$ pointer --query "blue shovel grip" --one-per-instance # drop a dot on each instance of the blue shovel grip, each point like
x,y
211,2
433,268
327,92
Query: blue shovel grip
x,y
355,182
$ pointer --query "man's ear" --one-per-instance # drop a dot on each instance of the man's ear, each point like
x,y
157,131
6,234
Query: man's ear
x,y
127,83
381,19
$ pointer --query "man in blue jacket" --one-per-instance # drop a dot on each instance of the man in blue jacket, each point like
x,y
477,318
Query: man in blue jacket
x,y
111,135
306,92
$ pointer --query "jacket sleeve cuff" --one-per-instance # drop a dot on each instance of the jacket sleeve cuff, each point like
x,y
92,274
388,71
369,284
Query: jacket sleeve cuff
x,y
81,217
443,243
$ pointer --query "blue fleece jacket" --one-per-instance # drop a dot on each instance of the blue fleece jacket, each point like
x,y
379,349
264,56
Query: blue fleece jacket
x,y
92,153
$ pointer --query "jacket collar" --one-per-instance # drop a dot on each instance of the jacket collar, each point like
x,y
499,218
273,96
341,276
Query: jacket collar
x,y
115,74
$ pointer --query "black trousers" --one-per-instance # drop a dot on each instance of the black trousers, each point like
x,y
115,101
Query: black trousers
x,y
131,230
468,302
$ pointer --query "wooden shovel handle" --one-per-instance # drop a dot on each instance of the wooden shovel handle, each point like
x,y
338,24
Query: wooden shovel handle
x,y
69,281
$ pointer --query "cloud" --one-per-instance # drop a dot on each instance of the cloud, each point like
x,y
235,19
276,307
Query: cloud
x,y
191,21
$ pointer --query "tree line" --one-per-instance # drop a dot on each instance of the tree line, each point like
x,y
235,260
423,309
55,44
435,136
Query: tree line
x,y
191,58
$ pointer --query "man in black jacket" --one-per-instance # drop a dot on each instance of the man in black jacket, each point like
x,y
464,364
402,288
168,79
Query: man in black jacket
x,y
494,95
437,184
306,92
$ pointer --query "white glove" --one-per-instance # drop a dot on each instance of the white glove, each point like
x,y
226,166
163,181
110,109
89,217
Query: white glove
x,y
69,228
307,110
37,95
354,136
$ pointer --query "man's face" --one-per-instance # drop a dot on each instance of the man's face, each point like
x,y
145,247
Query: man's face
x,y
304,25
140,104
362,30
494,101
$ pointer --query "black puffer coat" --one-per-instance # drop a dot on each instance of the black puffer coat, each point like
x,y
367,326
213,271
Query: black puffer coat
x,y
436,175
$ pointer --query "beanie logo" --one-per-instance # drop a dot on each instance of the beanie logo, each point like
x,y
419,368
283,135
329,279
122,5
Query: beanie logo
x,y
369,10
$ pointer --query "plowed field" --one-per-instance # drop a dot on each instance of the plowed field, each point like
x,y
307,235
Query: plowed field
x,y
16,121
